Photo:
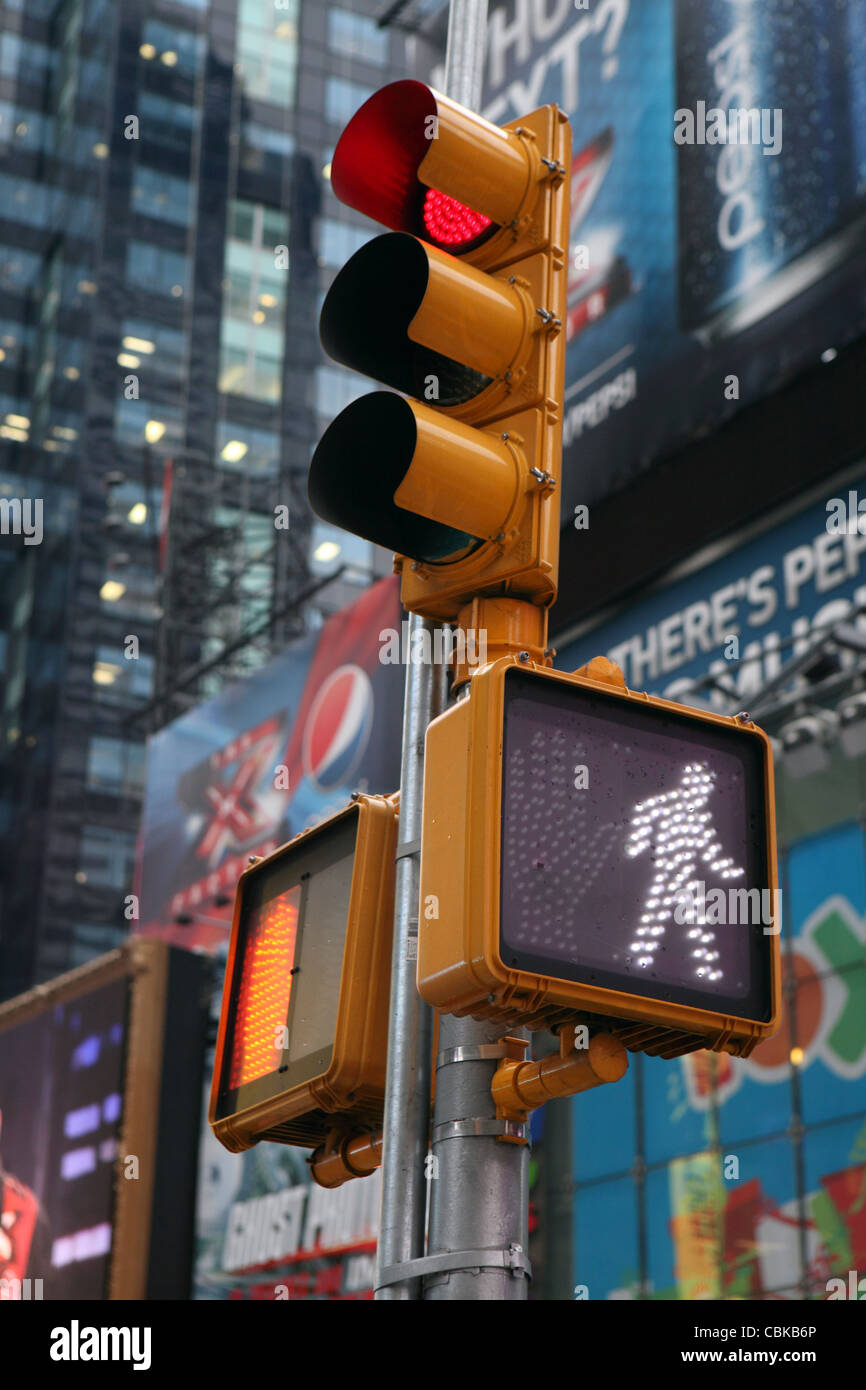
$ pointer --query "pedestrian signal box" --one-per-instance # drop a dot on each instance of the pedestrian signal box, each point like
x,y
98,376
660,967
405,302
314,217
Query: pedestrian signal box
x,y
303,1029
590,852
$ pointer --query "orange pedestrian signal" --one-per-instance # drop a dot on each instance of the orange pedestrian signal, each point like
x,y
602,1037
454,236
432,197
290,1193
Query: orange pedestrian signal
x,y
460,307
595,855
303,1032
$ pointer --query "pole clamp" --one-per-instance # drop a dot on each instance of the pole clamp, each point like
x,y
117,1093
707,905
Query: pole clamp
x,y
407,849
511,1130
513,1259
483,1052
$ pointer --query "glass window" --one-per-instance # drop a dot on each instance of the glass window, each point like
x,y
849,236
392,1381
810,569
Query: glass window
x,y
330,547
342,99
129,592
157,269
264,149
267,50
118,679
19,269
161,195
106,856
162,350
166,122
357,36
148,422
115,765
255,278
132,506
243,449
24,201
24,129
335,389
177,49
25,60
339,240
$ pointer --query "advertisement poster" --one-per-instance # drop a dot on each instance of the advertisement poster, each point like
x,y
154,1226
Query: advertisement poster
x,y
61,1080
718,205
244,772
753,1171
266,1231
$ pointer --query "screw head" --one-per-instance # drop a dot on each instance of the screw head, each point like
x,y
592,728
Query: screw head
x,y
253,859
523,656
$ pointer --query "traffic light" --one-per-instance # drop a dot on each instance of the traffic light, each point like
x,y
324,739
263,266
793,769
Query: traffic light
x,y
460,307
303,1031
590,853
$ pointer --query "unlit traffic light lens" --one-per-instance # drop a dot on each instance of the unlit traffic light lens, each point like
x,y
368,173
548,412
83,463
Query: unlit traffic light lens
x,y
633,851
264,988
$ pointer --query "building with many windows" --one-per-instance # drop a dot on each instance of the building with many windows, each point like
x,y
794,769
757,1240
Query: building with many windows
x,y
167,231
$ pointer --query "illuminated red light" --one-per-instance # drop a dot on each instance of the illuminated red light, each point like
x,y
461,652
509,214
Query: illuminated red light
x,y
450,223
264,989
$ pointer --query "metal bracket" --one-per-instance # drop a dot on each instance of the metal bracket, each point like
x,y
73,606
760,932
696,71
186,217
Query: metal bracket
x,y
480,1129
408,848
482,1053
512,1259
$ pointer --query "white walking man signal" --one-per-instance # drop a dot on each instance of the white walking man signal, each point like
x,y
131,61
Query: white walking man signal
x,y
681,832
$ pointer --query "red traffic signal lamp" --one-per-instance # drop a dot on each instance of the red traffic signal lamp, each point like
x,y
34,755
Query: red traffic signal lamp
x,y
591,854
461,307
303,1033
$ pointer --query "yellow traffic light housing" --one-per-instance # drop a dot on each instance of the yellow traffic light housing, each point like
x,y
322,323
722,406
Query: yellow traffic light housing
x,y
461,307
578,840
303,1033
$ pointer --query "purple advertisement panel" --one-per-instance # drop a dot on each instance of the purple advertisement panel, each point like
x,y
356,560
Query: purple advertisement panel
x,y
61,1083
244,772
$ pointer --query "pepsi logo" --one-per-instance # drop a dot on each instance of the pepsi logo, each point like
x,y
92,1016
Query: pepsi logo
x,y
338,728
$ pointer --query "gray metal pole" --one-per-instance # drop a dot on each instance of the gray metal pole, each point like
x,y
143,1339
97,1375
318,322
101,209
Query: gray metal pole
x,y
480,1193
464,59
410,1026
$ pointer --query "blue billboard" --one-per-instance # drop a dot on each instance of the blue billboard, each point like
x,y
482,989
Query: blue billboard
x,y
719,1177
718,205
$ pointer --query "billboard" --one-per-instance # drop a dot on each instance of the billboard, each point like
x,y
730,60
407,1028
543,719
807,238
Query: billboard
x,y
242,773
265,1231
752,1172
91,1173
718,205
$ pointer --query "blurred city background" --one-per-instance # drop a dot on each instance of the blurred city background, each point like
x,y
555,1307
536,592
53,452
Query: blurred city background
x,y
184,623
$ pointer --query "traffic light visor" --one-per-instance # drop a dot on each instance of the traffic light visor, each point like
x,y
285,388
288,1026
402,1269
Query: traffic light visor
x,y
363,458
634,852
417,162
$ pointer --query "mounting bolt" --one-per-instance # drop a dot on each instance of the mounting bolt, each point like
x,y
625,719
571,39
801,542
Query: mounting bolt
x,y
505,436
491,998
253,859
523,656
743,717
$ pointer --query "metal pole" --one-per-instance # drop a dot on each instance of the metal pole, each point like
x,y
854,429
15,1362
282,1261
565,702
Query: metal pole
x,y
480,1189
410,1026
558,1218
464,59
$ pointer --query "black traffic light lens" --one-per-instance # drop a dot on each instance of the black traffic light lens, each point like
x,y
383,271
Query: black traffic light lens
x,y
365,323
634,854
362,459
